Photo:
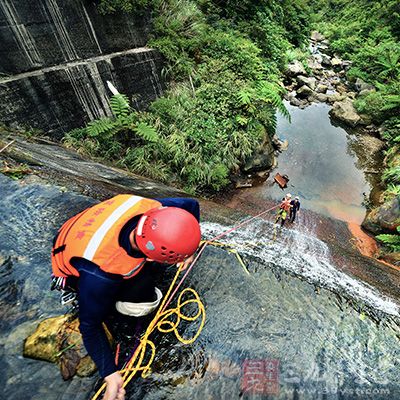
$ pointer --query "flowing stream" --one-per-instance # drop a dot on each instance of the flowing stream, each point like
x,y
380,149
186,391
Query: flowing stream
x,y
293,320
327,167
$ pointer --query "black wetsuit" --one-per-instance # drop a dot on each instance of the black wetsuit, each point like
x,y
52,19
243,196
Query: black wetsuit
x,y
293,210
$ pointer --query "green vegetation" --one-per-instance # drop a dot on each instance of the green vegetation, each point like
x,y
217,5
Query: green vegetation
x,y
368,33
15,171
223,65
391,241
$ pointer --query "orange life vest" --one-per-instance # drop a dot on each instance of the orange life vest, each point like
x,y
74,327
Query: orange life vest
x,y
285,205
93,235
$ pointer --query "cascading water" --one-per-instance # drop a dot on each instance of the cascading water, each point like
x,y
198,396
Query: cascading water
x,y
302,254
22,36
319,345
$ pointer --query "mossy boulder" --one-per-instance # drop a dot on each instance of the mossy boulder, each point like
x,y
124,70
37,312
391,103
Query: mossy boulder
x,y
384,219
345,112
58,340
43,343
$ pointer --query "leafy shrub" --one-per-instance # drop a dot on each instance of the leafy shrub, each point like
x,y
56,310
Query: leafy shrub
x,y
223,61
392,130
391,241
382,104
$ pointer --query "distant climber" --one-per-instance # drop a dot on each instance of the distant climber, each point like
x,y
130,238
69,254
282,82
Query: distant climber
x,y
294,209
284,209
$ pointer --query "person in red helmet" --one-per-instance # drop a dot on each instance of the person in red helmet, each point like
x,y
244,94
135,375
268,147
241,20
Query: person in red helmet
x,y
111,254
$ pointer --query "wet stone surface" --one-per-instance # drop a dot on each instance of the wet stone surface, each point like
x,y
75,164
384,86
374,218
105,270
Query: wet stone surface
x,y
317,340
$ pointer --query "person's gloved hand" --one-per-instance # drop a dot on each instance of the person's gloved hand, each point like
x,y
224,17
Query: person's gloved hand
x,y
114,390
185,262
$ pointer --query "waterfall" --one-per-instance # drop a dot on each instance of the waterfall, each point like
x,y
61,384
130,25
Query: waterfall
x,y
89,90
92,31
63,39
302,254
23,38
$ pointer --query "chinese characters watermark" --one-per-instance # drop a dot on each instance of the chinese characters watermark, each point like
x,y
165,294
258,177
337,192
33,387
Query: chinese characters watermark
x,y
260,377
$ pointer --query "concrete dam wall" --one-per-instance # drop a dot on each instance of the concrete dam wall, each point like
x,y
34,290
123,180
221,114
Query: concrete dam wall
x,y
56,56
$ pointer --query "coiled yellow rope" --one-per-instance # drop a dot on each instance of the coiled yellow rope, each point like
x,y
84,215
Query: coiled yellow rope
x,y
161,319
165,321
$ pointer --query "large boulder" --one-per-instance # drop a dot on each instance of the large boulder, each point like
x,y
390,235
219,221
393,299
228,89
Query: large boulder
x,y
344,111
364,92
321,97
362,85
295,68
336,62
334,97
308,81
385,218
315,65
294,101
317,37
304,92
58,340
43,343
321,88
262,159
326,60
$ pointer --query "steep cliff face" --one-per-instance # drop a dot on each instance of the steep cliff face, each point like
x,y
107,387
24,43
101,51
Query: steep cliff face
x,y
57,56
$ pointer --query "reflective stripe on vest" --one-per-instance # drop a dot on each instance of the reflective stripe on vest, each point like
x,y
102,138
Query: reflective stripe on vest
x,y
99,235
94,234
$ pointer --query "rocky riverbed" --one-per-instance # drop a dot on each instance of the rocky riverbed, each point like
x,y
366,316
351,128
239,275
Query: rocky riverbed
x,y
307,307
324,79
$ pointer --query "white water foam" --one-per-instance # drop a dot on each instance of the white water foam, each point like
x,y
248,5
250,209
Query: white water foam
x,y
302,254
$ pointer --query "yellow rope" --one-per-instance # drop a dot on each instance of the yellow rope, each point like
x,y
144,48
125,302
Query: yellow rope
x,y
165,321
165,324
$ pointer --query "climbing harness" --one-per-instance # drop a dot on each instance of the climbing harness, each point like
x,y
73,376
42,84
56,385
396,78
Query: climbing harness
x,y
68,298
167,320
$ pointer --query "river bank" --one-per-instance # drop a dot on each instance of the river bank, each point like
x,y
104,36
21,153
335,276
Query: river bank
x,y
334,157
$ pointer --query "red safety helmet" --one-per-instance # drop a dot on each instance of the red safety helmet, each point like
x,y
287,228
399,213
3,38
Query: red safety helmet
x,y
168,234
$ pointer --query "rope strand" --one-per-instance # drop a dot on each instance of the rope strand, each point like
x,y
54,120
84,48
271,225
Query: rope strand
x,y
165,325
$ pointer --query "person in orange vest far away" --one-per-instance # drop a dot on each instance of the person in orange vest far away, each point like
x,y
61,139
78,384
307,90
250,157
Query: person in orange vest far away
x,y
284,209
111,254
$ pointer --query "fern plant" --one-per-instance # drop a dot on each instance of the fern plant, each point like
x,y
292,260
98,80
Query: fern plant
x,y
146,132
262,92
392,175
104,127
120,105
391,241
389,61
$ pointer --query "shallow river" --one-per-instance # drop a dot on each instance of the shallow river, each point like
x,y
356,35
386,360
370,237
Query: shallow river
x,y
324,163
292,327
